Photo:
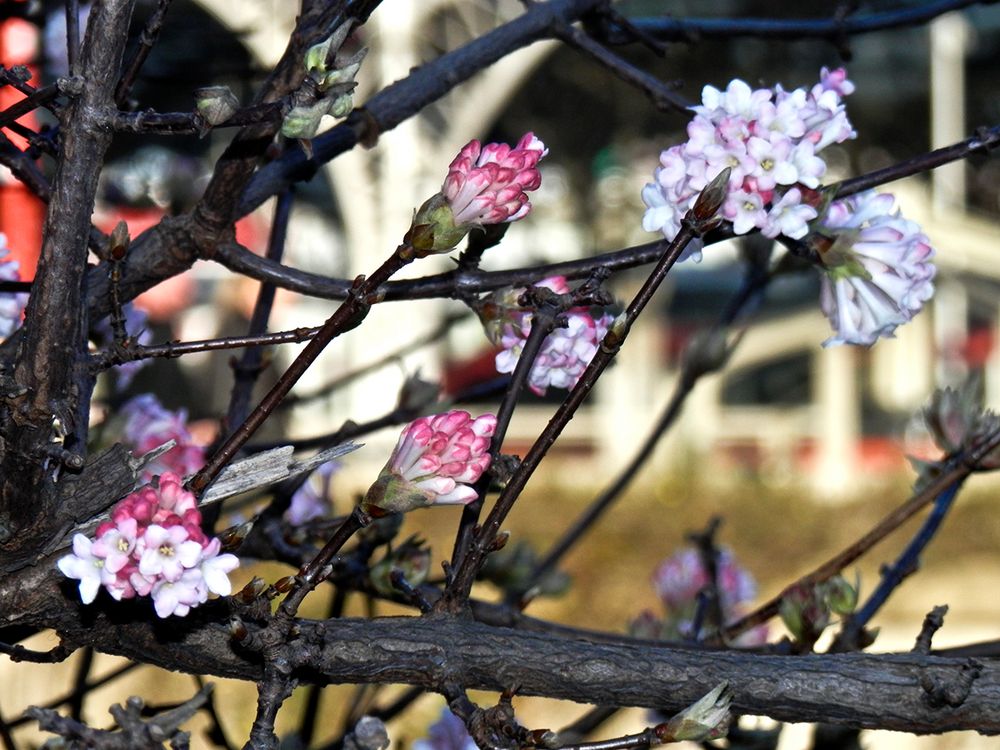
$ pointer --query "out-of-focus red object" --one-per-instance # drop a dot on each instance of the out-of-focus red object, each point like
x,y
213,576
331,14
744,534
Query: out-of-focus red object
x,y
21,213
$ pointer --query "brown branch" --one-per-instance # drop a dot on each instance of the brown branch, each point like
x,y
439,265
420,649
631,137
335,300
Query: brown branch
x,y
862,690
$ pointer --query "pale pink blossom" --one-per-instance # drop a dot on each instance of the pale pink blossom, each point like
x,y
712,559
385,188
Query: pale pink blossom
x,y
148,425
878,269
116,544
435,461
85,566
177,597
167,552
565,353
789,216
746,210
215,568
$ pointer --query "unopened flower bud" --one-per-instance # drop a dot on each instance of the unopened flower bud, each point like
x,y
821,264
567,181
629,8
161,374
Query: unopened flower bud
x,y
238,630
234,536
707,718
805,613
215,104
412,559
711,198
841,596
118,241
435,462
285,584
255,588
303,120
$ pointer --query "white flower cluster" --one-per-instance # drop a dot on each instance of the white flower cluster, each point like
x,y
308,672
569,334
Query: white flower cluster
x,y
770,139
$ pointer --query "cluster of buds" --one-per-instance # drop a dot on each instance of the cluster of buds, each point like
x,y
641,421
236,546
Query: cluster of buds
x,y
435,461
770,139
566,351
330,75
152,546
680,579
877,268
485,185
148,425
12,304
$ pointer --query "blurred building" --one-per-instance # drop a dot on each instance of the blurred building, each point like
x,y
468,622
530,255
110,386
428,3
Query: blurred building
x,y
784,408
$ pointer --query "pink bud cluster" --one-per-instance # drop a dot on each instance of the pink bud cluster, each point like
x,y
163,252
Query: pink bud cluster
x,y
565,353
148,425
152,546
434,462
878,270
681,578
11,305
770,139
489,184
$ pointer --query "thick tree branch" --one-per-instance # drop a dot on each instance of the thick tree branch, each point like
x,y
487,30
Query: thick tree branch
x,y
49,358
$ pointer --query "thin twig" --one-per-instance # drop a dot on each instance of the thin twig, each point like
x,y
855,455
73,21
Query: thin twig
x,y
80,682
347,316
248,368
542,323
696,29
703,212
39,98
72,34
905,565
748,296
147,39
662,95
959,471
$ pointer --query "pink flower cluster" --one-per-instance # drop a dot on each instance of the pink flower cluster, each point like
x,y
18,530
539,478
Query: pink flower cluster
x,y
489,184
11,305
434,462
148,425
770,139
878,270
565,353
152,546
680,579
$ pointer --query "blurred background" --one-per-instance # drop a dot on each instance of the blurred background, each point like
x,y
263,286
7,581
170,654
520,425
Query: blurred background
x,y
798,447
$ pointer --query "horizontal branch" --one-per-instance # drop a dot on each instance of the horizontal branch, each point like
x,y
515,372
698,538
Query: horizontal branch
x,y
907,692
